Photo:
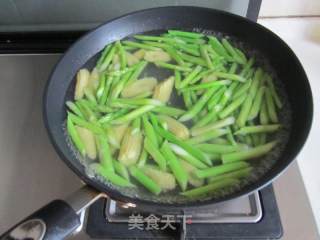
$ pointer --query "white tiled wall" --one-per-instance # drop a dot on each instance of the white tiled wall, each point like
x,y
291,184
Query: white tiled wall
x,y
303,36
271,8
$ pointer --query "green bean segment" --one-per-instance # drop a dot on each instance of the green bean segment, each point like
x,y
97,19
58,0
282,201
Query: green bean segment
x,y
249,153
208,136
219,148
146,181
258,129
105,154
110,176
210,188
175,166
198,106
242,173
155,153
133,114
214,171
232,106
75,137
187,156
216,125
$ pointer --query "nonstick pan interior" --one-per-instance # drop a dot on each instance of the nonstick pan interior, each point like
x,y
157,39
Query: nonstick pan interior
x,y
267,46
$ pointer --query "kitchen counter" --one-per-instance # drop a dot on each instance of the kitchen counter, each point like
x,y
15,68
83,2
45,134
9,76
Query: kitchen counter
x,y
31,173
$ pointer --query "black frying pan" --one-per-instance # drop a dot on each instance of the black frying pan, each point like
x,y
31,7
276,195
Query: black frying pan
x,y
83,53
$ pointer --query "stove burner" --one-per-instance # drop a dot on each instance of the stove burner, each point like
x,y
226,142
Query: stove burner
x,y
241,210
252,217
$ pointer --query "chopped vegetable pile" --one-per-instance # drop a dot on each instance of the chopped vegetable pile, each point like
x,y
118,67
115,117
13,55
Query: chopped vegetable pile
x,y
125,122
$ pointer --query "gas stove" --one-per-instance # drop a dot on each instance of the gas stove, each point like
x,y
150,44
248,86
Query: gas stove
x,y
251,217
25,133
245,210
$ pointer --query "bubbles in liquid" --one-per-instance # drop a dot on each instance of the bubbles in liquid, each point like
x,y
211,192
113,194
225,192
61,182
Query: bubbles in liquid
x,y
261,165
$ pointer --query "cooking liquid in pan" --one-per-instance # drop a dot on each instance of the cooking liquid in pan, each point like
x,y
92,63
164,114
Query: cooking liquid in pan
x,y
260,165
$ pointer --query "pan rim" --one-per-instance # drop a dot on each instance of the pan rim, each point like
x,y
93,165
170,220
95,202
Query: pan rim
x,y
117,195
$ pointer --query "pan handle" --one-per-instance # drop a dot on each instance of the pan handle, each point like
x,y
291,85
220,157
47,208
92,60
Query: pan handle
x,y
56,220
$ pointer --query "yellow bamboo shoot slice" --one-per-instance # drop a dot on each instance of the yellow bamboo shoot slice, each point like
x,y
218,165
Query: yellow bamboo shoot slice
x,y
94,79
192,178
163,90
88,140
210,78
138,87
139,54
157,56
176,127
130,147
165,180
119,131
82,82
131,59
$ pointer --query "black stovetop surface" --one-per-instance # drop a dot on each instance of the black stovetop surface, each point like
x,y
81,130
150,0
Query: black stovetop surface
x,y
269,227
